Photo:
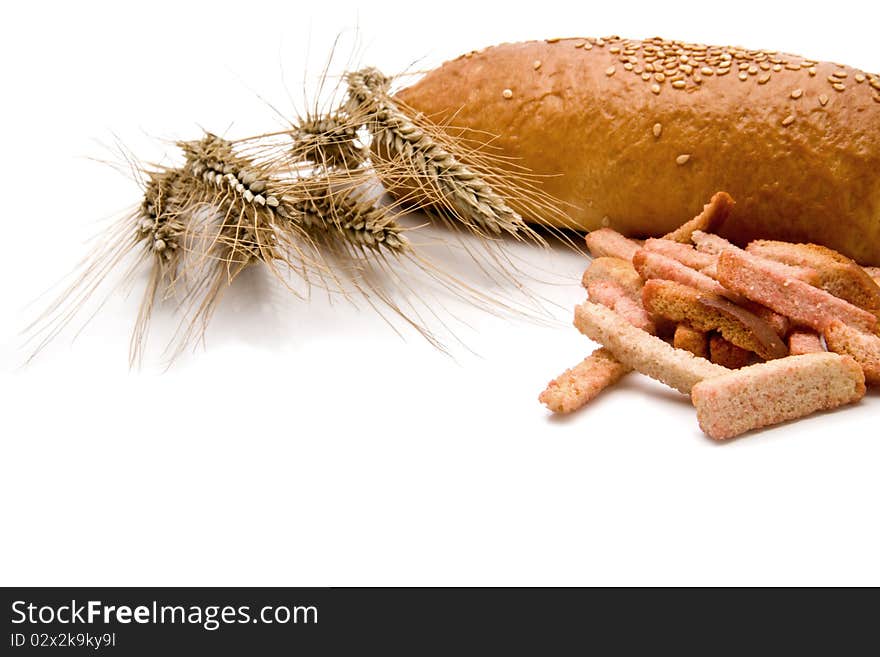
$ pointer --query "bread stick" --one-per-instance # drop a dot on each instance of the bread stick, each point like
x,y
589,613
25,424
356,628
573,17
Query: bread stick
x,y
863,347
692,340
837,274
804,341
776,391
756,279
684,253
579,385
607,242
643,352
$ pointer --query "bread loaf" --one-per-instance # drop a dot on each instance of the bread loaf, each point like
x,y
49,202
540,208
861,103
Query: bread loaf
x,y
636,135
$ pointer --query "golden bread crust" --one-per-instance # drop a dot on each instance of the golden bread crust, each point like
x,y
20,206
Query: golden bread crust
x,y
796,142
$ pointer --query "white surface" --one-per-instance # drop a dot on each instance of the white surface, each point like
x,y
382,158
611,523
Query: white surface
x,y
310,445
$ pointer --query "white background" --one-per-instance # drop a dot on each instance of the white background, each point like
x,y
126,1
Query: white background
x,y
307,444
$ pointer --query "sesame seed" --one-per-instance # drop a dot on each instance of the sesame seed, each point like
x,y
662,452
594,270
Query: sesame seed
x,y
764,79
839,86
679,84
823,100
777,67
877,98
682,159
606,221
588,46
687,68
660,77
614,50
507,93
875,82
812,71
646,76
610,71
579,44
765,66
553,40
657,130
723,71
797,93
537,64
743,76
627,67
707,71
840,74
753,70
793,67
832,79
860,78
788,120
655,88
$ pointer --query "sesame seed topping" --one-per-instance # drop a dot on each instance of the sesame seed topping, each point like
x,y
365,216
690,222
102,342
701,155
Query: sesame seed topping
x,y
553,40
823,100
859,78
660,77
876,83
655,88
839,86
764,79
614,50
764,66
682,159
777,67
788,120
537,64
507,93
657,130
579,44
812,71
797,93
840,74
877,98
753,70
588,46
706,70
743,76
832,79
679,84
646,76
610,71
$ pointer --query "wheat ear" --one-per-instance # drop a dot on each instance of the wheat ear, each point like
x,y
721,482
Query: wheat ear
x,y
461,190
